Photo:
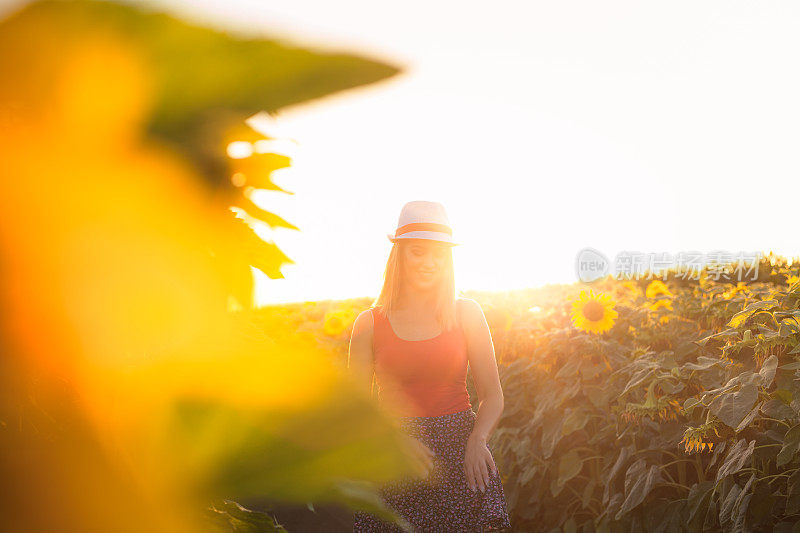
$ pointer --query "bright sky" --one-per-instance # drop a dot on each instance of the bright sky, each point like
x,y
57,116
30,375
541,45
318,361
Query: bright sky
x,y
543,127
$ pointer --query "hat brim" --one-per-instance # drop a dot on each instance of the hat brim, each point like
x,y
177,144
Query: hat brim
x,y
429,235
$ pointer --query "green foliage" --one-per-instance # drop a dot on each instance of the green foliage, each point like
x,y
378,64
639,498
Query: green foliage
x,y
687,423
206,81
228,516
674,420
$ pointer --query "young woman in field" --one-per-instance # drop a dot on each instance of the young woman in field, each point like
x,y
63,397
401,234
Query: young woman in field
x,y
417,339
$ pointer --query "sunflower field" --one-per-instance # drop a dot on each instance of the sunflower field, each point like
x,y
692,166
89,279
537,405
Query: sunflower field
x,y
668,404
140,390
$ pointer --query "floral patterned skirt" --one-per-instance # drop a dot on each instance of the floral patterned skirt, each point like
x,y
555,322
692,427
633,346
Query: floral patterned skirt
x,y
442,502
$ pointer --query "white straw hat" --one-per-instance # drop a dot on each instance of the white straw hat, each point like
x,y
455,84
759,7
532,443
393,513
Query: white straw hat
x,y
423,220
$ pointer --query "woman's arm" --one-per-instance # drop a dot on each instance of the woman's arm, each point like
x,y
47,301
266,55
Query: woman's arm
x,y
360,360
482,362
480,351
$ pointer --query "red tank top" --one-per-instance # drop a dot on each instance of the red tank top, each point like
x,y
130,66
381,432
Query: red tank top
x,y
420,378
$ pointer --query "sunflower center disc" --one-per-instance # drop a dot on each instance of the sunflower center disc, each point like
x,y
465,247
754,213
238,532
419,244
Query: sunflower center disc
x,y
593,311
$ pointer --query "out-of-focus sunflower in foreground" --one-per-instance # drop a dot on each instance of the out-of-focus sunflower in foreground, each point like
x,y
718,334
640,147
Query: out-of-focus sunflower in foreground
x,y
130,397
594,312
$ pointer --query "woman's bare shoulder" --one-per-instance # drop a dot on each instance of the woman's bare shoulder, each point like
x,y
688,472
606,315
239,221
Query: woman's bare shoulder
x,y
468,305
470,313
363,323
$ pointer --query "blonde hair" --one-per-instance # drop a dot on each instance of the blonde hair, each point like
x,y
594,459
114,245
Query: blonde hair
x,y
393,280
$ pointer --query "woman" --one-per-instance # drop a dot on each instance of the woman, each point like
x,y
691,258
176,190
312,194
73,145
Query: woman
x,y
417,340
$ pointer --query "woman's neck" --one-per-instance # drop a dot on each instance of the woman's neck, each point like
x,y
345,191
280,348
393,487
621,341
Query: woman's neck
x,y
415,301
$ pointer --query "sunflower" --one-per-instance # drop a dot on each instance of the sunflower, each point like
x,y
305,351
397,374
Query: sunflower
x,y
791,280
634,288
700,438
733,291
338,320
593,312
656,289
654,407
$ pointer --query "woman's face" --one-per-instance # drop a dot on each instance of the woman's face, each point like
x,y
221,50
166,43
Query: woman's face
x,y
424,262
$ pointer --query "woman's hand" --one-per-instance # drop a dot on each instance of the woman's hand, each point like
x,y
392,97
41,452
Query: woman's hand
x,y
478,462
421,454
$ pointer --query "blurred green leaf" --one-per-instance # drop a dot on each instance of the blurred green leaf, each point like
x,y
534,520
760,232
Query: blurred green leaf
x,y
230,516
207,79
